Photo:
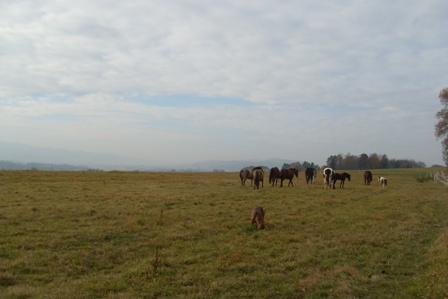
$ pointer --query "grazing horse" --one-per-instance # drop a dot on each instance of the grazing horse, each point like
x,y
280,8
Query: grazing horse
x,y
368,177
310,173
341,177
383,181
258,178
258,217
274,175
288,173
328,177
246,174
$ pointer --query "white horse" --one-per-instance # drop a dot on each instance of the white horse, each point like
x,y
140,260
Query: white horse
x,y
328,177
383,181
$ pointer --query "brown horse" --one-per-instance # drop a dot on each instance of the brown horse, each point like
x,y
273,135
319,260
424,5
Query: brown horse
x,y
274,175
368,177
310,173
246,174
288,174
340,177
258,178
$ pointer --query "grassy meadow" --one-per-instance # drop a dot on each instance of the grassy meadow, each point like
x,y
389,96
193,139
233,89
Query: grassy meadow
x,y
188,235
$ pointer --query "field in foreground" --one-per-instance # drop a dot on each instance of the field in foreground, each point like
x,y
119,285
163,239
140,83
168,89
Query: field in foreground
x,y
148,235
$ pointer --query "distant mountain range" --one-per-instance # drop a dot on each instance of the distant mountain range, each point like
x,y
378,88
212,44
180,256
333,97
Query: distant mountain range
x,y
20,157
205,166
236,165
23,153
8,165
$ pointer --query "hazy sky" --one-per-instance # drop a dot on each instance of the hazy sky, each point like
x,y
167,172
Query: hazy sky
x,y
183,81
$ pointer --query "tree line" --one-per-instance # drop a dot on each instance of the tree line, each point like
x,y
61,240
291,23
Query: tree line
x,y
372,161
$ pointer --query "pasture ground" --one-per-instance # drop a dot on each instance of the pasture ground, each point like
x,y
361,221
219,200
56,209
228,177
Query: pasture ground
x,y
151,235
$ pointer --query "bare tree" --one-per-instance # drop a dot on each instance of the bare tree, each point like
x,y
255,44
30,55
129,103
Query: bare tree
x,y
442,125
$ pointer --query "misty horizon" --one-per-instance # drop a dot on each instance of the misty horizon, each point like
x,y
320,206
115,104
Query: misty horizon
x,y
22,154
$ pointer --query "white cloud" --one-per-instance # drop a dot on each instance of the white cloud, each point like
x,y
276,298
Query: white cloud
x,y
69,68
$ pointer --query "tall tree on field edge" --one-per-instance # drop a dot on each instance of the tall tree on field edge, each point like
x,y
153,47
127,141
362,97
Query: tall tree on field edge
x,y
442,124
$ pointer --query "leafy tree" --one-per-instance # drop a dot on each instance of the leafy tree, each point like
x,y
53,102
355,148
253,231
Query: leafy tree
x,y
442,125
363,162
339,161
374,161
332,161
350,162
306,164
384,162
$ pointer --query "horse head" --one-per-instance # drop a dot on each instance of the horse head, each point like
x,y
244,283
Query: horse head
x,y
296,172
347,175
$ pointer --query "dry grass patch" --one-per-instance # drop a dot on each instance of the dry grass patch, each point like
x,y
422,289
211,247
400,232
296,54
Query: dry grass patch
x,y
167,235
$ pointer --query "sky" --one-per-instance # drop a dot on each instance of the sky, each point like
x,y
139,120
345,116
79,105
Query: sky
x,y
166,82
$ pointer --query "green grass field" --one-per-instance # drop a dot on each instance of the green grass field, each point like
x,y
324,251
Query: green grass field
x,y
151,235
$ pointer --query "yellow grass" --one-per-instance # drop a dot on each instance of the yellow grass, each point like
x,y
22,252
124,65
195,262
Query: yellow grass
x,y
150,235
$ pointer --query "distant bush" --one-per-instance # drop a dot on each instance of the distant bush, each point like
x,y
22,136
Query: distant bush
x,y
423,177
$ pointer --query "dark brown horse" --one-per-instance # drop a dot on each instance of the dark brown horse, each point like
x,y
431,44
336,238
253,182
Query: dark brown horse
x,y
246,174
258,178
288,174
368,177
310,173
274,175
340,177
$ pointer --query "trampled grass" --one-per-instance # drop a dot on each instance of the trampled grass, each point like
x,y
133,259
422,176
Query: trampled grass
x,y
149,235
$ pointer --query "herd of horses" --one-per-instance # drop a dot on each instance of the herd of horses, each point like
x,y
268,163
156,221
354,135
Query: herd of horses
x,y
331,177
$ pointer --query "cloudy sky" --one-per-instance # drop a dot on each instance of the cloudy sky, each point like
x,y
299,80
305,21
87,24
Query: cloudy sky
x,y
182,81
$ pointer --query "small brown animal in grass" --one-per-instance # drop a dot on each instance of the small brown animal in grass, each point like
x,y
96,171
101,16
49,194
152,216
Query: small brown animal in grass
x,y
258,217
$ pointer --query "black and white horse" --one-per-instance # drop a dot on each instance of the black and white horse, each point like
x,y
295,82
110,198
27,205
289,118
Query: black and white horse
x,y
328,177
383,181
